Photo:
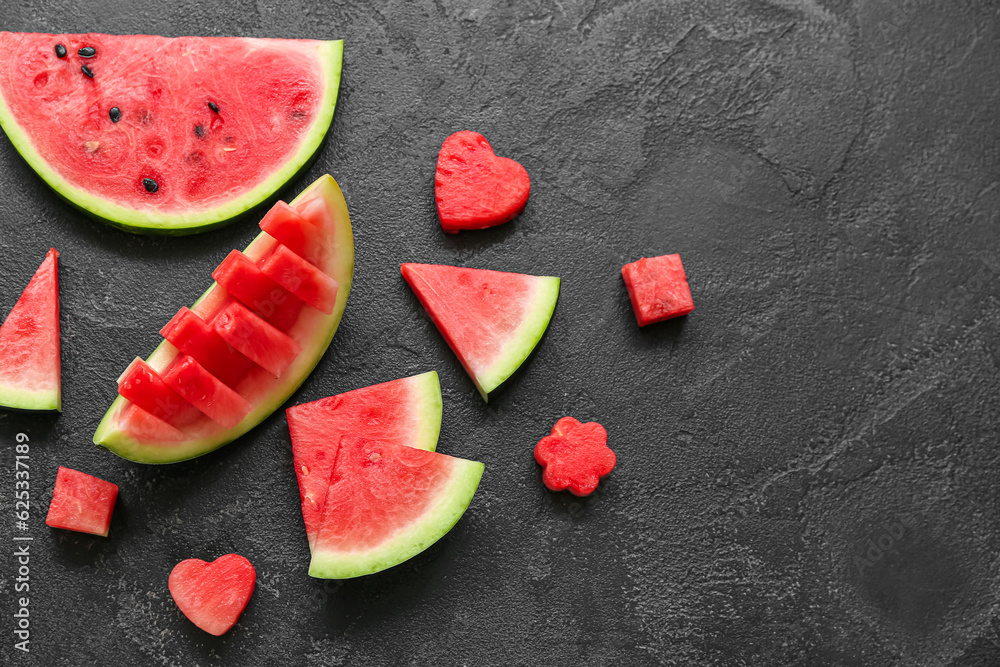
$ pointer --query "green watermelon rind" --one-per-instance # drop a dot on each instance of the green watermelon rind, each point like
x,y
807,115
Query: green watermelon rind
x,y
18,398
449,506
111,438
524,339
331,57
427,395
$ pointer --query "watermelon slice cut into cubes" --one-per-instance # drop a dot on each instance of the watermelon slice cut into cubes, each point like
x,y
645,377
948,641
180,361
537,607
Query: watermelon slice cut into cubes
x,y
213,595
29,344
657,288
492,320
405,411
474,188
178,390
168,135
81,502
385,504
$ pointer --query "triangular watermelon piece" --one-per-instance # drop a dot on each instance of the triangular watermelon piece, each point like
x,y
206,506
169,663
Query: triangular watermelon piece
x,y
29,344
491,319
386,503
169,135
406,411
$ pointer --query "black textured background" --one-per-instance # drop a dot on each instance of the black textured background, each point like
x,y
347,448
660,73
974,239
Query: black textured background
x,y
828,170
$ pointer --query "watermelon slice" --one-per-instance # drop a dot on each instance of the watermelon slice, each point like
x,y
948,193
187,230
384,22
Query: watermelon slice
x,y
29,344
155,134
385,504
213,595
81,502
405,411
491,319
173,391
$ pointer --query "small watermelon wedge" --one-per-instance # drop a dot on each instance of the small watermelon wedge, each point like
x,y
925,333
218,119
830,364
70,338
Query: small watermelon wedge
x,y
405,411
29,344
239,352
166,135
385,504
492,320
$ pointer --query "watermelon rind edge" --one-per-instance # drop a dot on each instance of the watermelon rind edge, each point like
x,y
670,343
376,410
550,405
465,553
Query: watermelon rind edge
x,y
451,504
428,386
111,438
331,57
524,340
18,398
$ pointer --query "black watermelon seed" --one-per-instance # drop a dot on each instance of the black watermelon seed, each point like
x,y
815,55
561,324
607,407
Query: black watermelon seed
x,y
87,52
116,114
86,70
213,106
60,51
150,185
199,130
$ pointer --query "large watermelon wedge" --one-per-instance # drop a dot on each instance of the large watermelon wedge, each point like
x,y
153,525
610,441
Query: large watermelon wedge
x,y
29,344
169,135
406,411
386,503
492,320
241,350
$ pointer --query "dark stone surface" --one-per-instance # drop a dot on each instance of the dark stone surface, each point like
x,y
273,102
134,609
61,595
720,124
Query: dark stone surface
x,y
827,169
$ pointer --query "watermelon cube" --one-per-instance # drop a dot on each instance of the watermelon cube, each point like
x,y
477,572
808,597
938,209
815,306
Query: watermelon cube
x,y
81,502
658,288
301,279
206,392
255,338
290,229
141,385
241,278
193,336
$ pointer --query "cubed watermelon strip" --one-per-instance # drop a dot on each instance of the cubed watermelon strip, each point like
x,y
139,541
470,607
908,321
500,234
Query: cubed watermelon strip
x,y
246,283
206,392
301,279
143,386
255,338
193,336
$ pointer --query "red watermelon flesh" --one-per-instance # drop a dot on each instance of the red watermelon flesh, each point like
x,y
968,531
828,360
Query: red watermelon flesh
x,y
193,336
473,187
658,288
204,391
492,320
142,386
243,279
213,595
256,339
211,406
81,502
206,127
301,279
405,411
293,230
29,344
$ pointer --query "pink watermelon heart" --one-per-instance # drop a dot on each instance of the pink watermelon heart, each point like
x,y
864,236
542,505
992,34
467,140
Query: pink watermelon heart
x,y
474,188
213,595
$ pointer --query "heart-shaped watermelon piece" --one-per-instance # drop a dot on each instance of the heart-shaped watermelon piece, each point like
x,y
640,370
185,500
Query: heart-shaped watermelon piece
x,y
474,188
213,595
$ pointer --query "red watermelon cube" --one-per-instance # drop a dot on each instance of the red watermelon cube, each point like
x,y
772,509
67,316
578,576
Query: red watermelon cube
x,y
81,502
658,288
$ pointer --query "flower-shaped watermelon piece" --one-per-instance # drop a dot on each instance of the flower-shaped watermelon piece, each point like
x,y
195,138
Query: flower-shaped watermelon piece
x,y
575,456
